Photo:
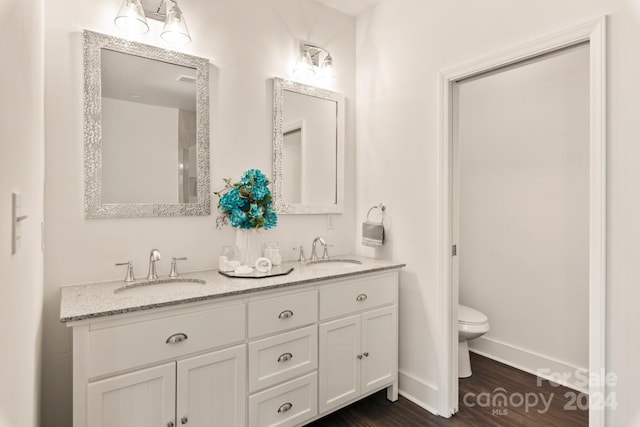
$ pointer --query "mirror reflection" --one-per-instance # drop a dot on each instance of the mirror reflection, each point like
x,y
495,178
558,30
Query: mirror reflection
x,y
146,130
308,149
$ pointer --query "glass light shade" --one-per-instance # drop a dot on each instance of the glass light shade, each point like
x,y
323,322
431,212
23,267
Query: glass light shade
x,y
304,68
131,17
326,71
175,29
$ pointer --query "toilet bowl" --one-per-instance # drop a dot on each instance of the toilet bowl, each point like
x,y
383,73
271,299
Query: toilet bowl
x,y
471,324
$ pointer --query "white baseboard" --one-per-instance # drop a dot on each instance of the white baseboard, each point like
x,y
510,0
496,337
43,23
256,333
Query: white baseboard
x,y
531,362
419,392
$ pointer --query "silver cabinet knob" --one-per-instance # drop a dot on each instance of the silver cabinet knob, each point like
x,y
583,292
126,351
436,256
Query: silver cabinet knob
x,y
176,338
285,314
361,297
184,420
170,424
285,407
359,356
366,354
284,357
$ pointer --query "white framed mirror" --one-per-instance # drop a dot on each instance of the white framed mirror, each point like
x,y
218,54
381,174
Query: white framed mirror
x,y
146,130
308,149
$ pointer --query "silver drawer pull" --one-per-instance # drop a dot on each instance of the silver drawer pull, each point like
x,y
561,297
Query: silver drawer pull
x,y
361,297
284,408
284,357
285,314
176,338
184,420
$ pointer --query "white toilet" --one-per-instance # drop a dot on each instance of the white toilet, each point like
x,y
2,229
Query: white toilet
x,y
471,324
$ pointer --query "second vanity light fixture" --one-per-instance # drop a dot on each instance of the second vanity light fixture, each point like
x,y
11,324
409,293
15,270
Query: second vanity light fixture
x,y
132,17
314,63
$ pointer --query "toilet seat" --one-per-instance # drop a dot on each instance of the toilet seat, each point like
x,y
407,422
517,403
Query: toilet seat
x,y
471,317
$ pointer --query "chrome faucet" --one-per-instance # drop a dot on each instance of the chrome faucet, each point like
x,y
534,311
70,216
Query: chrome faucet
x,y
301,257
325,253
129,277
174,270
153,257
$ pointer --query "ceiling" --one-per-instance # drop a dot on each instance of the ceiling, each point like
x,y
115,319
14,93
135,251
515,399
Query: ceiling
x,y
147,81
350,7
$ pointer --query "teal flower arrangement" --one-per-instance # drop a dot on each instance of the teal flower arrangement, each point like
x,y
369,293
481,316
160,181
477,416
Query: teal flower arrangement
x,y
247,203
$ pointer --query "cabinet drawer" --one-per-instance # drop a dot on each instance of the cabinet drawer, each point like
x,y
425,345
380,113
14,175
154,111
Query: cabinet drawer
x,y
125,347
281,313
282,357
286,405
356,296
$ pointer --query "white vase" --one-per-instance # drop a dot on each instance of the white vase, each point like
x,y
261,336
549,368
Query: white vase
x,y
249,241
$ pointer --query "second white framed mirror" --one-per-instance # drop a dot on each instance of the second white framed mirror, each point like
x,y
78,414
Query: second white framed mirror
x,y
308,148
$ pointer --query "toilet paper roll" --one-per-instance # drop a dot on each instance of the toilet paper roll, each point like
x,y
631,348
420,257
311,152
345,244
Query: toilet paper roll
x,y
263,265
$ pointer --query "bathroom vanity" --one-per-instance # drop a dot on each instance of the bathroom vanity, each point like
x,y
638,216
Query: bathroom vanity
x,y
233,351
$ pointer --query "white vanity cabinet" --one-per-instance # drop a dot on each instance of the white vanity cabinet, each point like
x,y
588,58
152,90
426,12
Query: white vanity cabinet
x,y
276,356
359,349
205,390
174,367
210,389
283,359
143,398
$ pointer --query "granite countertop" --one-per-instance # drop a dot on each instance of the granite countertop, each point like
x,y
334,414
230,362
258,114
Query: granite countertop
x,y
94,300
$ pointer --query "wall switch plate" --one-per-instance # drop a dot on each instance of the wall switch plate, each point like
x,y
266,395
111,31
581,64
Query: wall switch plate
x,y
16,218
330,225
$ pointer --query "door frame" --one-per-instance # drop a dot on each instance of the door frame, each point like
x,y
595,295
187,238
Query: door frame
x,y
593,32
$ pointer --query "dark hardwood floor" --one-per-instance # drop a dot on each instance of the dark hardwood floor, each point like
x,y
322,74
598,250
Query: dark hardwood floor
x,y
525,401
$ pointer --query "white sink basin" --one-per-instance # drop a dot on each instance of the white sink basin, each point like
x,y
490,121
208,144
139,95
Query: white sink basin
x,y
160,287
335,264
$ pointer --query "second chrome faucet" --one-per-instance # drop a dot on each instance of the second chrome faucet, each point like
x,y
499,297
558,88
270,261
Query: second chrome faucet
x,y
153,257
325,252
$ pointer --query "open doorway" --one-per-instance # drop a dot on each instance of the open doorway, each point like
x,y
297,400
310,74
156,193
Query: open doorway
x,y
591,36
520,170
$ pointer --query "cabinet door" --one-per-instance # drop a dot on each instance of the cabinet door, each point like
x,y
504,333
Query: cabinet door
x,y
379,348
339,366
145,398
211,389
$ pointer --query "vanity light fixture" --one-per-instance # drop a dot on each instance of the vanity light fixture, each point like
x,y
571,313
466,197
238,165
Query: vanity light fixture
x,y
327,67
175,28
304,67
132,16
315,62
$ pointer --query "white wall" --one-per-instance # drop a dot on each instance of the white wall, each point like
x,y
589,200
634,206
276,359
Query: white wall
x,y
21,170
523,246
247,42
402,47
